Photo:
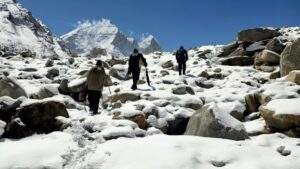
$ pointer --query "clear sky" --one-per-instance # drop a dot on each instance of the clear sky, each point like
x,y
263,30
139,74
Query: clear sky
x,y
173,22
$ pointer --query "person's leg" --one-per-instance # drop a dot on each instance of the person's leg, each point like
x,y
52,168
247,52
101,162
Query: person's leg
x,y
90,99
184,67
97,101
135,77
179,68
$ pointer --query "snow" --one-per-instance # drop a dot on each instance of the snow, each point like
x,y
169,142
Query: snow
x,y
185,152
22,36
40,151
225,118
2,125
255,46
284,106
77,82
255,126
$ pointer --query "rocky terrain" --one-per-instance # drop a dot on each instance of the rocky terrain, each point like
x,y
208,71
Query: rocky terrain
x,y
237,107
229,92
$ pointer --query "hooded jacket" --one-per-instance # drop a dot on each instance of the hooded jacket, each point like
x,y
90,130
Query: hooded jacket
x,y
96,79
135,62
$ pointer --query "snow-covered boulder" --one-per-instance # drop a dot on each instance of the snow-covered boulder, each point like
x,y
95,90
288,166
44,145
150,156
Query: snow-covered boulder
x,y
45,92
294,76
269,57
119,72
211,121
276,90
2,126
282,115
290,59
36,117
10,87
256,34
167,64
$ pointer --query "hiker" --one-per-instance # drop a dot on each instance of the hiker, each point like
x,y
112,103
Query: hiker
x,y
181,57
136,60
96,79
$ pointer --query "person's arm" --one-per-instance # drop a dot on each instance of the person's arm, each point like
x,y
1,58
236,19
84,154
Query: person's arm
x,y
144,60
129,65
186,55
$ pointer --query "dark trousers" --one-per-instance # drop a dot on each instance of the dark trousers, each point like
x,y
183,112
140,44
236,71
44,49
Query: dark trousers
x,y
135,78
182,67
94,99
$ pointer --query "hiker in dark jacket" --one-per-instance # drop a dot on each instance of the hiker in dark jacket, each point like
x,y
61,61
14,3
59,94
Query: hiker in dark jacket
x,y
96,79
136,60
181,57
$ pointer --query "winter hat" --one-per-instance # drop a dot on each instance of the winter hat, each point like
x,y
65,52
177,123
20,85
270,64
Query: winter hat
x,y
135,51
99,63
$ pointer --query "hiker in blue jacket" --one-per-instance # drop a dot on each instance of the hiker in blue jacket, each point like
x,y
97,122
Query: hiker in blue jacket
x,y
181,57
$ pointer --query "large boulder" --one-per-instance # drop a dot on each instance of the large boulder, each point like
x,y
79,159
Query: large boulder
x,y
294,76
167,64
238,61
270,57
256,34
119,72
45,92
282,115
36,117
10,87
290,58
228,49
210,121
275,45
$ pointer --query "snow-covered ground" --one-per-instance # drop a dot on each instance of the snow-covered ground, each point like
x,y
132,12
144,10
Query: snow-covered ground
x,y
92,142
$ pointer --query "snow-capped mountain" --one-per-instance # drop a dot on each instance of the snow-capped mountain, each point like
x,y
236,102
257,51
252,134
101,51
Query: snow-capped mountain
x,y
149,44
22,32
104,34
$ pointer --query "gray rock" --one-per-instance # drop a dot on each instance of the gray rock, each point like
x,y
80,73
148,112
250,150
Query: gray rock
x,y
49,63
45,92
181,90
10,87
228,49
270,57
256,34
39,117
275,45
290,58
294,76
208,123
238,61
52,73
167,64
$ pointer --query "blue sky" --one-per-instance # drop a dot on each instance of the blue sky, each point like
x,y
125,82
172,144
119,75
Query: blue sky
x,y
173,22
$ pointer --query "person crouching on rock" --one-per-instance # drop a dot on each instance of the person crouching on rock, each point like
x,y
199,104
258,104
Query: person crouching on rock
x,y
96,79
181,57
136,60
